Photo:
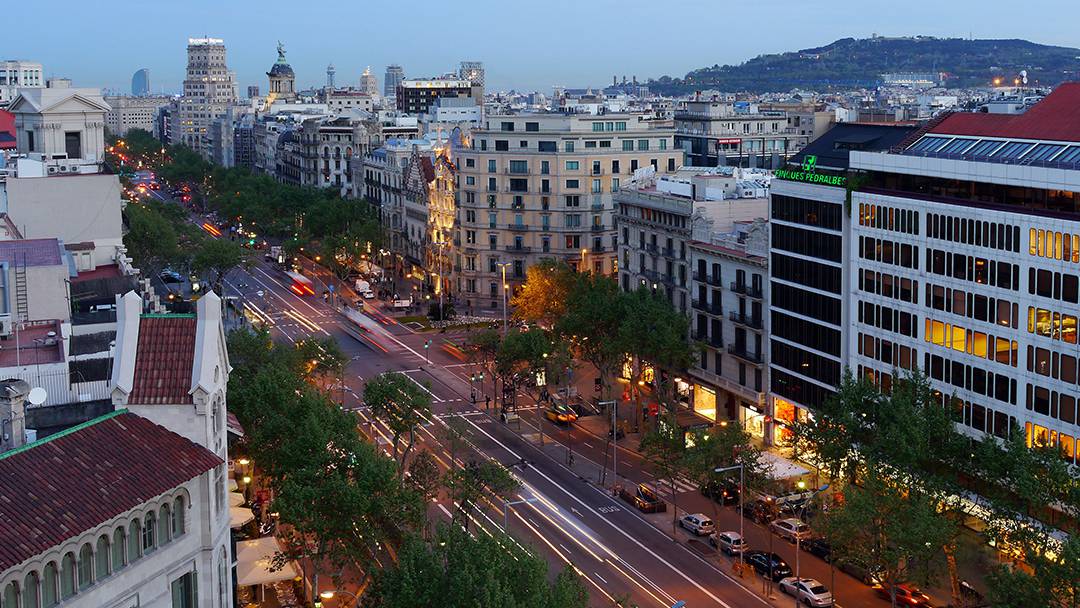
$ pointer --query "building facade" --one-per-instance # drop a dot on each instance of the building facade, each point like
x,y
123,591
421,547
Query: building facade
x,y
417,96
394,76
128,113
140,83
62,124
15,75
209,88
369,84
965,246
536,186
722,133
282,79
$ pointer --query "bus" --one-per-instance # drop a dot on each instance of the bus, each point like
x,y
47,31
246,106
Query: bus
x,y
300,285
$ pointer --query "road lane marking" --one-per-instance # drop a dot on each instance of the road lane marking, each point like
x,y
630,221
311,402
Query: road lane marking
x,y
426,389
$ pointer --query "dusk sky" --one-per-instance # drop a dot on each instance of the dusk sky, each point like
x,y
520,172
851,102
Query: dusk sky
x,y
527,46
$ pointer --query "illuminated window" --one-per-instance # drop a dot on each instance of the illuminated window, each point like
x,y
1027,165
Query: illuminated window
x,y
958,342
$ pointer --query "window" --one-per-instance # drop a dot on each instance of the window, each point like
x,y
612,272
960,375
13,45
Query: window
x,y
11,595
492,166
134,540
590,143
572,165
532,126
49,583
118,546
29,590
149,529
86,566
185,591
572,184
628,145
101,558
508,126
596,186
501,145
166,527
597,126
546,146
568,146
573,200
642,144
67,576
73,144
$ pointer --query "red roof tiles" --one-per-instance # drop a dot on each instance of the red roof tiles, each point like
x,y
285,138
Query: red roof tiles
x,y
163,360
1055,118
66,484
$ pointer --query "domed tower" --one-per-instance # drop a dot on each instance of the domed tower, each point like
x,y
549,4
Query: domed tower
x,y
282,78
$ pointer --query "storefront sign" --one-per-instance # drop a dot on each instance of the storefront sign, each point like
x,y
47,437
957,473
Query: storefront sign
x,y
729,141
808,173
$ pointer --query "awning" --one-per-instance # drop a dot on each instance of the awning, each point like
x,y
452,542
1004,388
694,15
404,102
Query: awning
x,y
780,467
238,516
235,499
254,560
232,424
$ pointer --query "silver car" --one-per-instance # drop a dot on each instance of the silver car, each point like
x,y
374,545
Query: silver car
x,y
729,542
807,591
697,524
790,528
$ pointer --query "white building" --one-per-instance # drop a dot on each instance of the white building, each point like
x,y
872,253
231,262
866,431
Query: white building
x,y
65,125
159,536
369,85
15,75
126,113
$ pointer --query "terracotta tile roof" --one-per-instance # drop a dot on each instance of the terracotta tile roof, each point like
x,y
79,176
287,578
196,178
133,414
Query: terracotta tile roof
x,y
163,360
1055,118
57,488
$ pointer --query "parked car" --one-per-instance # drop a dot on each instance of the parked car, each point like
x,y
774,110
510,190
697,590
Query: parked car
x,y
560,414
791,529
725,492
509,416
731,543
643,497
819,547
768,564
757,510
170,276
807,591
697,524
367,294
906,595
867,574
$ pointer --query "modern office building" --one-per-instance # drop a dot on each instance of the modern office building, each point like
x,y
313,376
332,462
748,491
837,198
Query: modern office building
x,y
394,76
209,88
417,96
810,307
140,82
473,71
536,186
965,251
17,74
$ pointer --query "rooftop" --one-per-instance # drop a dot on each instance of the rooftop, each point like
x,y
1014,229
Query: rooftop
x,y
61,486
834,147
34,343
1055,118
31,252
164,359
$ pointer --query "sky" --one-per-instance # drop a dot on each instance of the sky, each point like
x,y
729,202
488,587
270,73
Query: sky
x,y
525,46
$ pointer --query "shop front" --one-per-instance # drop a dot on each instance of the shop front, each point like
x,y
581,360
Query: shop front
x,y
704,401
784,415
752,419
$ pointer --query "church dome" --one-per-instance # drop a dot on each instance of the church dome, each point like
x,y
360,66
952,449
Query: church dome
x,y
281,67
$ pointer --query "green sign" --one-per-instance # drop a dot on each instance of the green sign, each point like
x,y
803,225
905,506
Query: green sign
x,y
808,174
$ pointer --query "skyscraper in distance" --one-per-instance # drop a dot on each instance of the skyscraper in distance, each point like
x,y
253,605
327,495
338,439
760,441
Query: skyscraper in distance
x,y
473,71
368,84
140,82
394,76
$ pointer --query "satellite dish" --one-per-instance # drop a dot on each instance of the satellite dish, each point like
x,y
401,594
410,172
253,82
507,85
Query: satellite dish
x,y
37,396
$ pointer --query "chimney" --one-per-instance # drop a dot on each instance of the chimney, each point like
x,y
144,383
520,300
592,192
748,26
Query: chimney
x,y
13,394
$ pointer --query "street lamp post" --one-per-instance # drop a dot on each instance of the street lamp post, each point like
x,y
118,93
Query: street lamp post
x,y
583,252
329,595
798,539
503,266
742,505
506,510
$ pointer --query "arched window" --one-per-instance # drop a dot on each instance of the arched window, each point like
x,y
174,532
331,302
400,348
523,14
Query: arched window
x,y
67,576
149,528
326,151
86,566
11,595
30,591
48,586
215,417
178,516
134,538
165,532
223,564
118,546
101,558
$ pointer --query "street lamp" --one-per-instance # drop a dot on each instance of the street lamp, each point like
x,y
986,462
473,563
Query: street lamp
x,y
441,245
583,252
329,595
742,506
503,266
798,538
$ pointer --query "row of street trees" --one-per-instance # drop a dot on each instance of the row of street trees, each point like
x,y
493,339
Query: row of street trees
x,y
348,509
910,480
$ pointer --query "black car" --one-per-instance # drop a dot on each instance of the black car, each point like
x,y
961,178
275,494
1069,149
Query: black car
x,y
818,546
758,510
764,562
725,492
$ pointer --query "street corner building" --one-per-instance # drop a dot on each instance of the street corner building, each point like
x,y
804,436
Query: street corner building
x,y
129,509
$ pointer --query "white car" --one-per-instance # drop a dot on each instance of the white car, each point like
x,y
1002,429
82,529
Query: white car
x,y
697,524
729,542
807,591
791,528
368,295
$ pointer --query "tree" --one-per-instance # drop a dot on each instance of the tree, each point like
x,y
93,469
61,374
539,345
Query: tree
x,y
319,359
215,258
482,347
542,299
595,310
459,570
469,483
402,405
721,446
654,333
665,448
151,238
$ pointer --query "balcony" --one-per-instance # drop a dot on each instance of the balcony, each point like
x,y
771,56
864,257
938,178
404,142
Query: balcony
x,y
744,319
598,227
708,279
518,249
667,252
704,337
741,352
517,227
658,277
600,249
746,290
713,308
653,249
598,206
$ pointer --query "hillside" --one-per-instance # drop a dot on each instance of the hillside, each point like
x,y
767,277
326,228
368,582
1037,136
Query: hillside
x,y
851,62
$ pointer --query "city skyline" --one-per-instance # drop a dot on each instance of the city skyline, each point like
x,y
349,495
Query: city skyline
x,y
577,53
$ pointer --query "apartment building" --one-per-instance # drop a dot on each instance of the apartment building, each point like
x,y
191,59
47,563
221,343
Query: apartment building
x,y
383,179
209,88
810,306
17,74
417,96
965,250
329,148
740,134
536,186
128,112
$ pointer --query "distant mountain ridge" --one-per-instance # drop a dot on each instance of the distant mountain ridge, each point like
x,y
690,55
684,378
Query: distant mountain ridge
x,y
851,62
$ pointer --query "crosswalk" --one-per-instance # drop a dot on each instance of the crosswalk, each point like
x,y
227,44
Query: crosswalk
x,y
663,487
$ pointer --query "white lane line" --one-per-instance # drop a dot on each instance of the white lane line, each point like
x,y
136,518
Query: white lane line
x,y
658,558
426,390
602,579
286,288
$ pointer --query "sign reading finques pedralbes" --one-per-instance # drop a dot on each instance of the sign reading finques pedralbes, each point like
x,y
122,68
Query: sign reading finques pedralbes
x,y
808,173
